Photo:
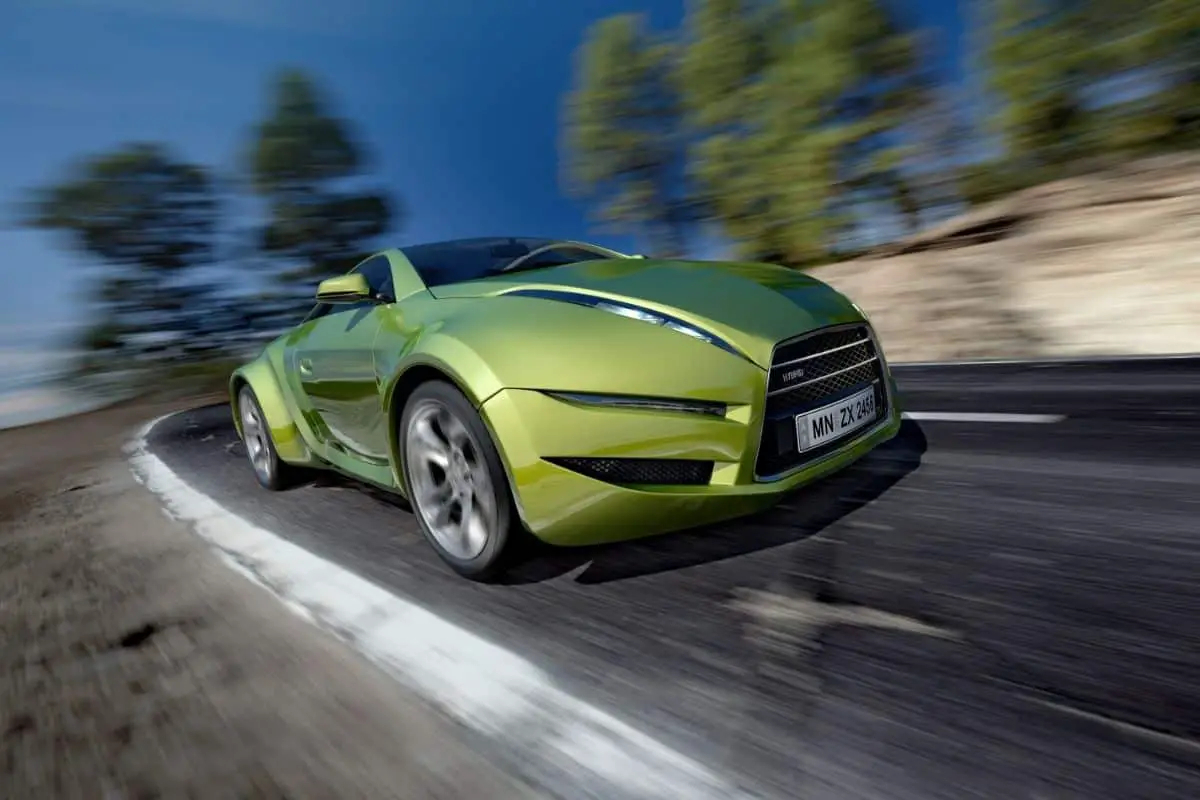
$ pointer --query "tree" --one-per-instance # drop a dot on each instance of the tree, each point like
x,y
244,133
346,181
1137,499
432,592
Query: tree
x,y
304,161
621,143
1081,82
1040,63
1151,55
940,140
149,220
726,54
1174,45
797,111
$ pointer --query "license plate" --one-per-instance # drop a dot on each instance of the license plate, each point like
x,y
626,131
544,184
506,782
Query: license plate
x,y
835,420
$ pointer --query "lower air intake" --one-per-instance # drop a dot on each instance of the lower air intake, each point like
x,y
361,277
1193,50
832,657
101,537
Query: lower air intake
x,y
642,471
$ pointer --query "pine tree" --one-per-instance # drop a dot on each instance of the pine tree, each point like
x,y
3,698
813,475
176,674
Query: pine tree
x,y
304,162
797,110
149,222
620,144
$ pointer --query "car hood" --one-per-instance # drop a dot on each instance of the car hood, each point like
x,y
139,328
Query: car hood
x,y
752,306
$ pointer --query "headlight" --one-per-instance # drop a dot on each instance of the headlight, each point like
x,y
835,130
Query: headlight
x,y
632,312
643,403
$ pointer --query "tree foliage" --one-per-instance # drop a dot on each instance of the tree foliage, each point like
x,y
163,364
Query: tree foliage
x,y
620,142
790,148
1077,84
809,128
148,221
150,225
802,129
303,161
784,114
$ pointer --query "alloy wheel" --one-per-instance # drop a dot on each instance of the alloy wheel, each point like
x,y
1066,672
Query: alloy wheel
x,y
254,435
452,488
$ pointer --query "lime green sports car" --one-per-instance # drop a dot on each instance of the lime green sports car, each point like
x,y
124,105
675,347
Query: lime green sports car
x,y
504,385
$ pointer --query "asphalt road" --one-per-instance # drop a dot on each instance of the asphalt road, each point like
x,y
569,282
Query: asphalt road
x,y
980,609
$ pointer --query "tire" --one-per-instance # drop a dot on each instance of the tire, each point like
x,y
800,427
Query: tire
x,y
472,481
271,471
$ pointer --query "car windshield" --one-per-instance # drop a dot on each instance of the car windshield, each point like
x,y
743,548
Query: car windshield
x,y
441,263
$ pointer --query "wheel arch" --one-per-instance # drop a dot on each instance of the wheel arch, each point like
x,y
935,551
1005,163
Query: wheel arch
x,y
236,381
285,434
417,369
422,370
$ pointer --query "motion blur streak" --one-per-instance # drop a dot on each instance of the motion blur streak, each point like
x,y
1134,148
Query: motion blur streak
x,y
558,738
951,416
1024,593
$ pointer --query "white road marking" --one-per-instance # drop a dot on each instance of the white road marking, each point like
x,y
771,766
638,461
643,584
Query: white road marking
x,y
1045,362
954,416
557,739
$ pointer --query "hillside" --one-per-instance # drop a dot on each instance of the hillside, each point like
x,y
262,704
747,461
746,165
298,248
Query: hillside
x,y
1103,265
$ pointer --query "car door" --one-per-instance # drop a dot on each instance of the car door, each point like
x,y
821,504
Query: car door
x,y
335,365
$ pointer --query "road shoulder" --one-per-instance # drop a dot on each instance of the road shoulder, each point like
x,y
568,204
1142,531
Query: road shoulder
x,y
137,663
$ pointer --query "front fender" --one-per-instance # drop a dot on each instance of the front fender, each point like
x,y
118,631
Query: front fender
x,y
259,375
436,355
487,345
443,351
505,342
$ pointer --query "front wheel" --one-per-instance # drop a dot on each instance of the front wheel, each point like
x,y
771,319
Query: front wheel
x,y
456,482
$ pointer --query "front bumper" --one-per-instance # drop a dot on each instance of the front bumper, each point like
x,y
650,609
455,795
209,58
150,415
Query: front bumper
x,y
564,507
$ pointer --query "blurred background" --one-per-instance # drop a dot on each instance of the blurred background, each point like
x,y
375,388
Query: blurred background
x,y
987,177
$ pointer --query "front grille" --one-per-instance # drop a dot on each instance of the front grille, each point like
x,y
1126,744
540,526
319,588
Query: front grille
x,y
645,471
835,363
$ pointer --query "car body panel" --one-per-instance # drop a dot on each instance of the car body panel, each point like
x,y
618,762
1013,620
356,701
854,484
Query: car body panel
x,y
565,508
332,368
405,281
281,414
530,343
752,306
506,353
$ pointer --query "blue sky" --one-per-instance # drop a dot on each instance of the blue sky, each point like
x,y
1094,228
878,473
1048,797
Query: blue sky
x,y
459,100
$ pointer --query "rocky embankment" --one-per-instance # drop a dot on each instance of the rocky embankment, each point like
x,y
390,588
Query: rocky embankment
x,y
1102,265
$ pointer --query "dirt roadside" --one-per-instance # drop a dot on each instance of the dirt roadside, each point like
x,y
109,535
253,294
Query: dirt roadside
x,y
136,665
1104,264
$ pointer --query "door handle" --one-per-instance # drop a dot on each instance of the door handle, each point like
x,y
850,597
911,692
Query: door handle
x,y
306,366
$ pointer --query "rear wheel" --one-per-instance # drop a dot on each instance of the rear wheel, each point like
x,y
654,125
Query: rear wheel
x,y
456,482
272,472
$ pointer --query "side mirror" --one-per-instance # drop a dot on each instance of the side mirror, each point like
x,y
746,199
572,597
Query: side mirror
x,y
349,288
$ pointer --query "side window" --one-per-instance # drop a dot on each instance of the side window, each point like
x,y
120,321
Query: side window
x,y
378,272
